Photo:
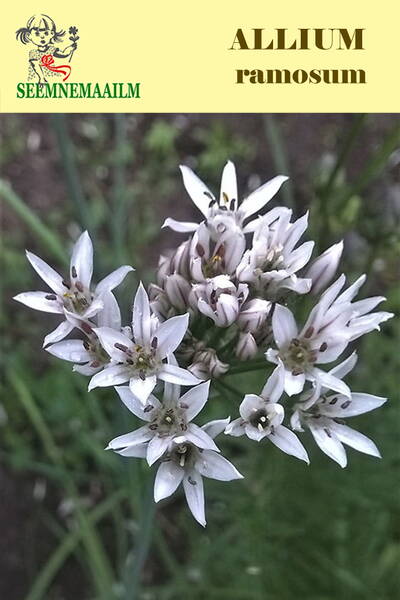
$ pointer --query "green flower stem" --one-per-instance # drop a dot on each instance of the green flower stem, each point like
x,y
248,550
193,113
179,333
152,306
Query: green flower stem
x,y
224,387
68,545
247,366
26,214
100,566
67,155
279,155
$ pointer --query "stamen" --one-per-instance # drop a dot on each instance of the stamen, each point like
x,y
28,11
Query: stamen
x,y
95,364
191,481
333,401
142,375
209,195
73,272
51,297
154,343
129,361
225,197
200,250
153,426
328,433
345,404
323,347
309,332
65,284
86,328
148,408
232,205
86,345
79,286
121,347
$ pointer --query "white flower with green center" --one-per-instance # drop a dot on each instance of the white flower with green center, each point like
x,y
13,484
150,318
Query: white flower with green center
x,y
331,325
73,297
141,360
187,463
224,214
262,416
168,422
323,413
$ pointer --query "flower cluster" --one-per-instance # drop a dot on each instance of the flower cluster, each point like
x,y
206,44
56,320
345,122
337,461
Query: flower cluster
x,y
220,306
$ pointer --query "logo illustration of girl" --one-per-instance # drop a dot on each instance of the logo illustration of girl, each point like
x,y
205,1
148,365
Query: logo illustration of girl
x,y
41,31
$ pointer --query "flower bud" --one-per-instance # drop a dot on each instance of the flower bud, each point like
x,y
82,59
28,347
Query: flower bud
x,y
324,267
206,364
246,347
253,315
177,289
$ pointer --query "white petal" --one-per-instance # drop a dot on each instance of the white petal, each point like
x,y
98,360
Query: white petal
x,y
273,389
344,367
110,316
194,492
141,322
47,273
169,476
199,193
288,442
328,442
138,451
197,436
195,399
340,406
299,257
283,325
133,403
367,323
39,301
250,404
109,376
180,226
58,334
214,428
156,448
213,465
355,439
330,382
228,190
236,428
142,388
177,375
109,337
113,279
86,369
294,384
133,438
170,334
324,267
259,198
71,350
82,260
253,433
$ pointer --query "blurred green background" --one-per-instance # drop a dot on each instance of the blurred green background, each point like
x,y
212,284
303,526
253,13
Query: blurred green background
x,y
77,522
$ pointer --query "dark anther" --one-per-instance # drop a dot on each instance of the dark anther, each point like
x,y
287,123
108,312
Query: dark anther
x,y
323,347
192,481
333,401
328,433
200,250
73,272
295,342
79,286
232,205
309,332
86,345
129,361
142,375
51,297
153,426
211,203
184,426
183,405
207,193
154,343
65,284
121,347
345,404
95,364
297,372
224,208
86,328
148,408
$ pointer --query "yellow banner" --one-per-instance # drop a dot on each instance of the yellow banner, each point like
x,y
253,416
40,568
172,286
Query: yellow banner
x,y
176,56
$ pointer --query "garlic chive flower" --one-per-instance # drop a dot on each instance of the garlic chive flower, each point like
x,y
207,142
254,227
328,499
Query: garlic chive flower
x,y
72,296
141,360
